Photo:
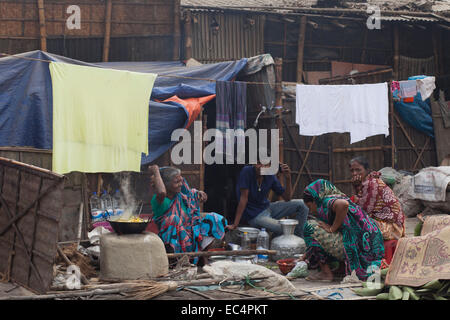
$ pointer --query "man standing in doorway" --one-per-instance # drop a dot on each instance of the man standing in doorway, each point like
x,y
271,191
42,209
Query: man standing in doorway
x,y
254,206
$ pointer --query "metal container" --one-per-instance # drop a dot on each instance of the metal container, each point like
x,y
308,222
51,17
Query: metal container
x,y
287,245
252,232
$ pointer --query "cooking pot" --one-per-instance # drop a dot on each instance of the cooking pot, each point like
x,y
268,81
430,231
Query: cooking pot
x,y
123,227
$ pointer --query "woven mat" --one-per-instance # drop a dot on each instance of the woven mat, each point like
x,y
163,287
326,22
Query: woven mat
x,y
436,222
418,260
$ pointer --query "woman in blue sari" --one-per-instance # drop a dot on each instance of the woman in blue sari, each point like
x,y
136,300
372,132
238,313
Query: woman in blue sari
x,y
339,230
176,211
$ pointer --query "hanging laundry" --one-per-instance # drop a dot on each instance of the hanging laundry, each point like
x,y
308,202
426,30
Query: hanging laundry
x,y
395,85
426,87
408,89
362,110
100,118
231,108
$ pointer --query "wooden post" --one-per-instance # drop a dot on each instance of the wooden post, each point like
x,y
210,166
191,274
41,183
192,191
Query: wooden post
x,y
107,40
396,52
279,102
203,119
42,29
392,120
436,36
363,53
188,35
176,30
301,48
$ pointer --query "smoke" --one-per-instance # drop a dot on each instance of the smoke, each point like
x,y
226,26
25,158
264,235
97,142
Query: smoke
x,y
127,200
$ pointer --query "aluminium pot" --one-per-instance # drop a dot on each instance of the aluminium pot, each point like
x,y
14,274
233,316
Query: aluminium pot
x,y
287,245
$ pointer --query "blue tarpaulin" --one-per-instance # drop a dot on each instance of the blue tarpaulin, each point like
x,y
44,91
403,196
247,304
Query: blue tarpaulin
x,y
26,97
418,113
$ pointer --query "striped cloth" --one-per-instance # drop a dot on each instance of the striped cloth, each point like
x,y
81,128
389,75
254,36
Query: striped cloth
x,y
231,107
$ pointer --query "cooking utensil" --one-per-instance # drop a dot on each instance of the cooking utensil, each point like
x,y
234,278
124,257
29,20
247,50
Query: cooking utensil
x,y
120,227
252,232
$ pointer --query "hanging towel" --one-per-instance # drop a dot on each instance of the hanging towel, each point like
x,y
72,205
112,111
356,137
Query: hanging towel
x,y
362,110
408,88
426,87
231,108
100,118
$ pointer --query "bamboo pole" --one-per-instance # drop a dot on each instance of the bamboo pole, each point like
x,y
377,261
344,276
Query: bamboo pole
x,y
188,35
392,120
360,149
221,253
396,52
42,28
301,48
107,39
176,30
279,102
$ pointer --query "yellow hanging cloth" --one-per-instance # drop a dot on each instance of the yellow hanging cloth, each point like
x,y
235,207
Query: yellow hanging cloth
x,y
100,118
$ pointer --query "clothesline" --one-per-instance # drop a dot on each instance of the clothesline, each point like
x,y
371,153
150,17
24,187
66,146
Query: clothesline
x,y
159,75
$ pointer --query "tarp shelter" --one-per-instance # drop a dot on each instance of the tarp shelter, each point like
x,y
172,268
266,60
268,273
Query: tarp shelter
x,y
177,97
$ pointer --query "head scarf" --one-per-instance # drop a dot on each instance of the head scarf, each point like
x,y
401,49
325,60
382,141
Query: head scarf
x,y
320,189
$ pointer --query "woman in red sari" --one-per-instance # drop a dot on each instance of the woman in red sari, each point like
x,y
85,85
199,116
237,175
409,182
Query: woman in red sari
x,y
377,199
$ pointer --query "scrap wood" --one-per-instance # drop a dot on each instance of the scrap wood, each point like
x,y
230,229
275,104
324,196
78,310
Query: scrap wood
x,y
83,278
142,290
198,293
76,258
221,253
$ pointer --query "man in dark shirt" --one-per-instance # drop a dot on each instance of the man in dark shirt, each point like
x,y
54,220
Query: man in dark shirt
x,y
255,208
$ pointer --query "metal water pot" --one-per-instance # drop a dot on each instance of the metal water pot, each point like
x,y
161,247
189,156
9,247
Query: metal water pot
x,y
287,245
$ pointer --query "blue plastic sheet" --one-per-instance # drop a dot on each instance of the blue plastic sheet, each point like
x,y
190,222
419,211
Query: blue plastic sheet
x,y
26,97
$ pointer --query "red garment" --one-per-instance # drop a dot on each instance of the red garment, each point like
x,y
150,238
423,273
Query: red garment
x,y
379,201
389,250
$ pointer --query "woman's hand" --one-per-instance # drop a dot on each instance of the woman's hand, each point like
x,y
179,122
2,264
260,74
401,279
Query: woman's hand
x,y
203,197
231,227
356,180
325,227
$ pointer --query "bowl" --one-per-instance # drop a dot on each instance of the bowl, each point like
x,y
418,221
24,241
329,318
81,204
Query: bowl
x,y
286,265
121,227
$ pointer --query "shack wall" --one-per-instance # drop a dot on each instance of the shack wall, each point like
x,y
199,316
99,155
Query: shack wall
x,y
140,30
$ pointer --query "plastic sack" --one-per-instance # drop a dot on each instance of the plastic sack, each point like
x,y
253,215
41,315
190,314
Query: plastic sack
x,y
299,271
390,176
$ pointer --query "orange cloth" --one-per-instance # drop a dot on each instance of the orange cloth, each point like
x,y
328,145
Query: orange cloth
x,y
192,105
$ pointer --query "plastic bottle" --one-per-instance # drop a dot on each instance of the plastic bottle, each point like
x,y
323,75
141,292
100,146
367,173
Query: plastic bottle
x,y
106,202
245,242
262,243
96,208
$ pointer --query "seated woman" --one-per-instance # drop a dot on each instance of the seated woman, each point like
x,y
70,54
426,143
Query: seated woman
x,y
176,211
377,200
339,231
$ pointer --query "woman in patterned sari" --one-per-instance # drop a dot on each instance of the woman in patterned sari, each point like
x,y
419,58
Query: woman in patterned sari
x,y
377,199
339,230
176,211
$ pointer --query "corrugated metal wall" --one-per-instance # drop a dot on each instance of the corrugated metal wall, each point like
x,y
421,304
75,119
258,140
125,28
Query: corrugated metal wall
x,y
235,36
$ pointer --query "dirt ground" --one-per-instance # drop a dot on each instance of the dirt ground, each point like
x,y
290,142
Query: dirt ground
x,y
307,290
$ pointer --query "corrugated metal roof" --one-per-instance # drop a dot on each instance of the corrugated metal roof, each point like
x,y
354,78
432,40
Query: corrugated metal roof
x,y
408,18
406,5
